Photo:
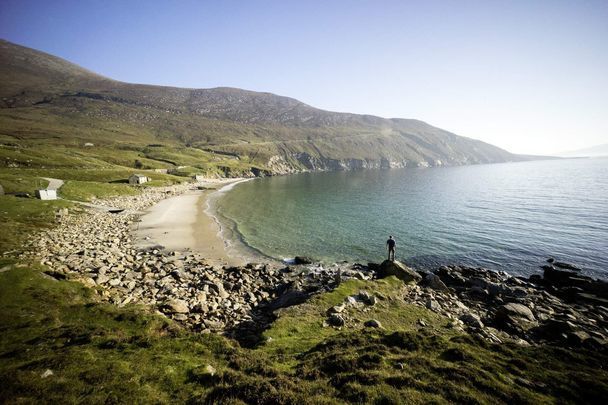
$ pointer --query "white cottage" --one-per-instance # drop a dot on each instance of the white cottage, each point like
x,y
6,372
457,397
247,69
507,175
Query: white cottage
x,y
138,179
46,194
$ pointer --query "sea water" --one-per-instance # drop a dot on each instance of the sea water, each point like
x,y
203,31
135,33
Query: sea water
x,y
509,216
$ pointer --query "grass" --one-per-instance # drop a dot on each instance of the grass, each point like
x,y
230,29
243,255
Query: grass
x,y
18,182
88,190
300,328
21,218
100,353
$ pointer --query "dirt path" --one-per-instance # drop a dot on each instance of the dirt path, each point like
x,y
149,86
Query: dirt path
x,y
54,184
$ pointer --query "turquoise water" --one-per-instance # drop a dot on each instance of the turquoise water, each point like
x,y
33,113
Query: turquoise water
x,y
504,216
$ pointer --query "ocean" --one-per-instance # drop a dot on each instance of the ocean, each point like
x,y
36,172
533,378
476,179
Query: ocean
x,y
509,216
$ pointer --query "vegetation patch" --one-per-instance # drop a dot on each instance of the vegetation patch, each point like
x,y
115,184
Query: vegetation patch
x,y
89,190
21,218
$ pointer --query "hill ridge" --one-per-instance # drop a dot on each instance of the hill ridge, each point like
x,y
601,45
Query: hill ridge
x,y
272,133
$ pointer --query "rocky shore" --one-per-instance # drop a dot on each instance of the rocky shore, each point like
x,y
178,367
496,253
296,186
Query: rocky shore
x,y
97,249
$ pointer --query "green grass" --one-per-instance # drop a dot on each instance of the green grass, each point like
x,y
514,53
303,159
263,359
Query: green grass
x,y
22,218
100,353
21,182
299,328
97,352
88,190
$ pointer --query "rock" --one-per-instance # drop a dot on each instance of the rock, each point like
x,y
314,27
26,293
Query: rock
x,y
336,309
219,288
514,316
399,270
367,298
102,279
289,298
577,338
472,320
433,281
433,305
566,266
336,320
302,260
209,369
213,324
372,323
177,306
594,343
517,310
47,373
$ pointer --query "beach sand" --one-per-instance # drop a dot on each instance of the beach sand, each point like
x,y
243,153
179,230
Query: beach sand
x,y
181,224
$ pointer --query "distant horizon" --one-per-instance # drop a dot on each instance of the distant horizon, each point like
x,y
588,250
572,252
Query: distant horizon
x,y
528,78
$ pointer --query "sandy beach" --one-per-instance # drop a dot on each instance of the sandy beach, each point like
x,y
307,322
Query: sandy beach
x,y
181,223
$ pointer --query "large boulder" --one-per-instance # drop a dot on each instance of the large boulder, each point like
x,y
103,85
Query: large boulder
x,y
399,270
514,316
433,281
302,260
177,306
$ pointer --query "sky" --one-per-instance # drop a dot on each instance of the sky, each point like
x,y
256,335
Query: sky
x,y
528,76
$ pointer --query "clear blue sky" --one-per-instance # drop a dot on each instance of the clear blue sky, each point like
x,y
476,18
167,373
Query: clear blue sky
x,y
529,76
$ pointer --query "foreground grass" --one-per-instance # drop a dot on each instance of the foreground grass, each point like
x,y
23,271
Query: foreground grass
x,y
23,217
99,353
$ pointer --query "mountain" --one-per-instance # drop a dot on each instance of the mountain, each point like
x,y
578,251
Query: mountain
x,y
592,151
45,99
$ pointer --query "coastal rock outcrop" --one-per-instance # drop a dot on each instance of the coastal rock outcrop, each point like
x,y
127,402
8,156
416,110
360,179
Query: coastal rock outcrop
x,y
399,270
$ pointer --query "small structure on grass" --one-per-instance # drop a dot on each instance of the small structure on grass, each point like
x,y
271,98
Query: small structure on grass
x,y
89,145
46,194
138,179
198,177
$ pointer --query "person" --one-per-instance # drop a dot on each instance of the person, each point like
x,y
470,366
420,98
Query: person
x,y
390,245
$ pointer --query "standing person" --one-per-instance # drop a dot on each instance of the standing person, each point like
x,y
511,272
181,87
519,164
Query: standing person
x,y
390,245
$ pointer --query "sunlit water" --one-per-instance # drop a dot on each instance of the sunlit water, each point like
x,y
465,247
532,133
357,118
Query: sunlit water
x,y
504,216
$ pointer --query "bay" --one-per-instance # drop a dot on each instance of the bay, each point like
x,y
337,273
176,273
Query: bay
x,y
507,217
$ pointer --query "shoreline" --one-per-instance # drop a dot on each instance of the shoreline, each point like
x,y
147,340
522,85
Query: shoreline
x,y
98,250
187,223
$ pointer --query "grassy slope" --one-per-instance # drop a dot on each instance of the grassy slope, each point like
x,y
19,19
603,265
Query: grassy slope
x,y
100,353
22,218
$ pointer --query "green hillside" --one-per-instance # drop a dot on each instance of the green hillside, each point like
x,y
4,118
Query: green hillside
x,y
47,101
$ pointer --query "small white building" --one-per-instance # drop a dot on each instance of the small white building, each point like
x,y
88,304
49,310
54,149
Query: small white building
x,y
199,177
89,145
138,179
46,194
